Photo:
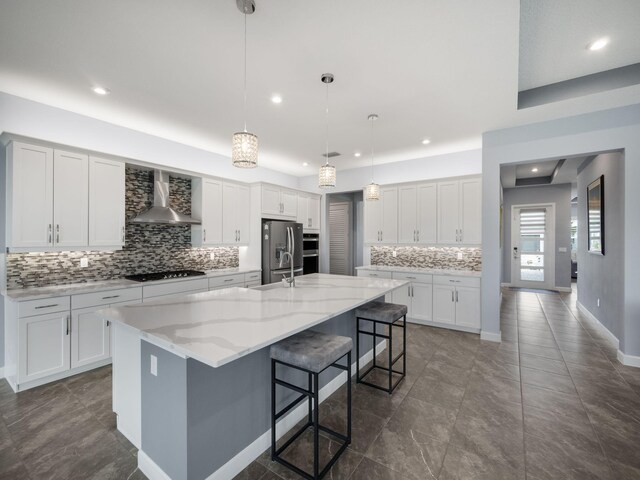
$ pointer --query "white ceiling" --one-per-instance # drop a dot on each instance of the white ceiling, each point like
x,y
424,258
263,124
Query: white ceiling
x,y
443,70
545,169
567,173
554,35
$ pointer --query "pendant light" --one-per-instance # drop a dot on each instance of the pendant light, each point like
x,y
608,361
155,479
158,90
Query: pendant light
x,y
244,150
327,174
372,191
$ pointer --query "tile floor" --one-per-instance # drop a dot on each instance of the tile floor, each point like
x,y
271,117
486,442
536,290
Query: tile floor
x,y
549,402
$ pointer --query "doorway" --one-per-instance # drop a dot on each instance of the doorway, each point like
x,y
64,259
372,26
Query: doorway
x,y
533,246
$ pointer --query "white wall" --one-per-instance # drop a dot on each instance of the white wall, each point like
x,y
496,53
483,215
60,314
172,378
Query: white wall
x,y
31,119
607,130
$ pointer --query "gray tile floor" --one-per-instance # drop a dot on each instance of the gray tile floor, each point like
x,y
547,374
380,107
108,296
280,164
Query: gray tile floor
x,y
551,401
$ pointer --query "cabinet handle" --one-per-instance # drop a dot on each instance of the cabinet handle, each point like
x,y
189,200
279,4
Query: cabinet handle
x,y
110,296
68,324
47,306
204,235
414,235
123,231
108,323
373,274
411,278
409,290
461,236
309,220
58,233
456,296
50,234
229,280
239,235
418,231
452,296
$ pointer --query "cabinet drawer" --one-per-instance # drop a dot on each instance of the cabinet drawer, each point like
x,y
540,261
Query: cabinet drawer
x,y
44,305
105,298
254,283
185,286
252,277
457,281
413,277
374,273
217,282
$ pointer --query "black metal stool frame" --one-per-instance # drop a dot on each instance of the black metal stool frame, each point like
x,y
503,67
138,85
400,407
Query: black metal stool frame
x,y
313,396
360,378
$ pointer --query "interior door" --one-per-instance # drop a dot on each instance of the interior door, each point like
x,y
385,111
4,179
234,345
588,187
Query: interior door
x,y
532,247
340,239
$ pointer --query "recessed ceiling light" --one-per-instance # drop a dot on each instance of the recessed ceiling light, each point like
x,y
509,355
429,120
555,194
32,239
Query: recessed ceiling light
x,y
598,44
426,141
534,169
305,164
357,154
101,90
276,99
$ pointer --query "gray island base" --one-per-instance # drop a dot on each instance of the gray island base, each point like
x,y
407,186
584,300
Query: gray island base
x,y
204,412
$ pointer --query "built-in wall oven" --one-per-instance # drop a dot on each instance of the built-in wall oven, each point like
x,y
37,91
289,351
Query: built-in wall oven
x,y
310,252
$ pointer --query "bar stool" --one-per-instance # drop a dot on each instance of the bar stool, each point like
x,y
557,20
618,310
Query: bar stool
x,y
386,314
310,352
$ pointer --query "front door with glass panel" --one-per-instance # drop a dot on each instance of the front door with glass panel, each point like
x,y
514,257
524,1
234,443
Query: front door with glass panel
x,y
532,246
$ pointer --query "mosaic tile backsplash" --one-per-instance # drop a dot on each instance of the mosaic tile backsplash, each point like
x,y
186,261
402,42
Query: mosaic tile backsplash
x,y
148,248
428,257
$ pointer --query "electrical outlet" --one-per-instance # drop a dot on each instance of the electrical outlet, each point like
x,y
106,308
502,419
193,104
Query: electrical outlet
x,y
84,262
395,254
212,256
459,255
598,302
562,249
154,365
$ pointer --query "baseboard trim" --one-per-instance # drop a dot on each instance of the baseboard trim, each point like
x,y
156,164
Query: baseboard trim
x,y
593,319
239,462
490,336
629,360
563,289
505,285
447,326
150,468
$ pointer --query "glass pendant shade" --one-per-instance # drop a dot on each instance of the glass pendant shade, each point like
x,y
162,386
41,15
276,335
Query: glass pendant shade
x,y
372,191
327,176
244,151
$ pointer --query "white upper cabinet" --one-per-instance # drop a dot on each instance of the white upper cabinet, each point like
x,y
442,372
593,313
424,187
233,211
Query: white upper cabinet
x,y
448,206
417,214
236,201
106,202
471,211
309,212
407,214
460,212
278,202
29,196
206,204
381,217
48,198
70,199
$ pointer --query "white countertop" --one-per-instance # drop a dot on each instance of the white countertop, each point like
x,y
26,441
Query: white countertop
x,y
220,326
433,271
34,293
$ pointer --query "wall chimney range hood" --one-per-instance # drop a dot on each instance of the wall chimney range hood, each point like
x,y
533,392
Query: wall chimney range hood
x,y
160,212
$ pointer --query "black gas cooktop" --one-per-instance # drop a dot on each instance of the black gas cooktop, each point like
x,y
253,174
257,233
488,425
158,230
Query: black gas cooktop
x,y
148,277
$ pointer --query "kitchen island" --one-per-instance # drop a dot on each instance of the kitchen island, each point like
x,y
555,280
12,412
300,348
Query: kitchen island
x,y
192,374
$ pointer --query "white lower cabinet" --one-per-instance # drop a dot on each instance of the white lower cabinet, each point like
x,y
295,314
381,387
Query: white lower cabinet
x,y
90,339
44,346
456,301
416,296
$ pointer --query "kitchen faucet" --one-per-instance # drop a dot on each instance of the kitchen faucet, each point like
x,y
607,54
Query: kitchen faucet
x,y
292,280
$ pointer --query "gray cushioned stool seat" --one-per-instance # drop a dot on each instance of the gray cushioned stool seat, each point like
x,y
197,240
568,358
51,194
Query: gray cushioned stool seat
x,y
381,311
311,350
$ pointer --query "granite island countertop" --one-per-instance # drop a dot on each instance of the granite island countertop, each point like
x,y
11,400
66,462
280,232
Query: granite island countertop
x,y
432,271
34,293
220,326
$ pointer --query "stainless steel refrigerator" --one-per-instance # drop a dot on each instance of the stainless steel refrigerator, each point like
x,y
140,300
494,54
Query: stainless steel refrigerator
x,y
279,237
